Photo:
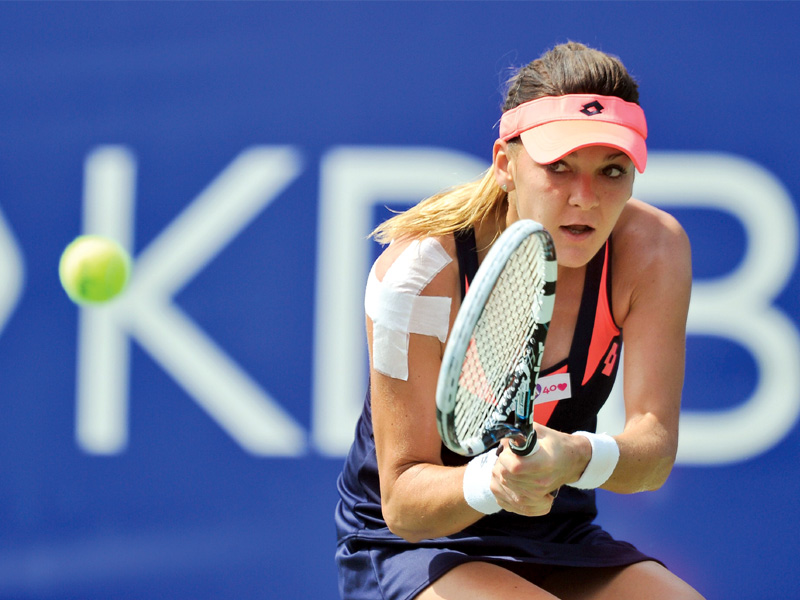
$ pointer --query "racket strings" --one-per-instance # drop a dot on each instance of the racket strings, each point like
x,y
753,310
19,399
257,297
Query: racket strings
x,y
499,339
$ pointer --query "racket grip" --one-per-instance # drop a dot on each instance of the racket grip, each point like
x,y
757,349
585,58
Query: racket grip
x,y
529,446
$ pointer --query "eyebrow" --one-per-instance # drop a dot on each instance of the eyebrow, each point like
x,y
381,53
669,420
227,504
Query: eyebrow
x,y
611,156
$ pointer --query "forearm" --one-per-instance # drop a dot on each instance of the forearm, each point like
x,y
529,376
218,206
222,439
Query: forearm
x,y
646,456
426,501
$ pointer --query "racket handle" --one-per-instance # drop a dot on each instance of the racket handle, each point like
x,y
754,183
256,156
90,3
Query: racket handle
x,y
527,447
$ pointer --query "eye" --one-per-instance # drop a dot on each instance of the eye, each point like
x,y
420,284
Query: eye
x,y
614,171
557,167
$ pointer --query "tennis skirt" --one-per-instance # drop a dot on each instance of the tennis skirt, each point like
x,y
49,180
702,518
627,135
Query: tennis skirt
x,y
373,567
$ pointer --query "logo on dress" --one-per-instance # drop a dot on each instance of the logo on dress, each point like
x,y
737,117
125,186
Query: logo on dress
x,y
552,387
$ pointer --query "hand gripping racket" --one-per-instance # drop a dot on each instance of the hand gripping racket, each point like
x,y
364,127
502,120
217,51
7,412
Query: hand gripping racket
x,y
491,363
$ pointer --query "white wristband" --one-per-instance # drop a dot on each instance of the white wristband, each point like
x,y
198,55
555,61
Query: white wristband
x,y
605,454
476,483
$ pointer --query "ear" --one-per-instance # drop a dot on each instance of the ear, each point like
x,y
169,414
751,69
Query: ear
x,y
503,165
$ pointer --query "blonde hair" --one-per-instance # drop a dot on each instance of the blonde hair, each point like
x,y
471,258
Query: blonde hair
x,y
570,68
447,212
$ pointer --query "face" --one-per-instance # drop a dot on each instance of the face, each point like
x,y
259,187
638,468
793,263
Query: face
x,y
578,199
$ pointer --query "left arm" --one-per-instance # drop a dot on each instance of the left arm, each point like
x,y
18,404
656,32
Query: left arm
x,y
658,284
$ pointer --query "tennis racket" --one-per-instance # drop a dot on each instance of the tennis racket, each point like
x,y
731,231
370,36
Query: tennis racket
x,y
491,362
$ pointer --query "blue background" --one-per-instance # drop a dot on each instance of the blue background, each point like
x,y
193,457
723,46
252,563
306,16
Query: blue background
x,y
183,511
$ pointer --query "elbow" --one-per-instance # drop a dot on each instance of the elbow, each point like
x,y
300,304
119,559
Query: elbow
x,y
406,511
650,454
642,475
658,474
410,536
402,526
414,522
654,483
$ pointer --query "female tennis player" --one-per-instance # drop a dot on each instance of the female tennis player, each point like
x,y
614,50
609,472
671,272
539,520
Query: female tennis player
x,y
418,521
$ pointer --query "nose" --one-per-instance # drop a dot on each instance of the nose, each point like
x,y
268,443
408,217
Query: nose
x,y
583,194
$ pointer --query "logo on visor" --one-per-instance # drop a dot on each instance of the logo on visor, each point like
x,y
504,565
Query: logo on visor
x,y
592,108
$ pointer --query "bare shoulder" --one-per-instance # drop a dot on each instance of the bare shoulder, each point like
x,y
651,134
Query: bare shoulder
x,y
652,255
646,235
650,228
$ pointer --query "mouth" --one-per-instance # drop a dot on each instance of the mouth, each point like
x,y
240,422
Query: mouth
x,y
577,230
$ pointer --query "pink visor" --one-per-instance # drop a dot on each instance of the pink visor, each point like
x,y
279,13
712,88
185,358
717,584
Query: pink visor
x,y
553,126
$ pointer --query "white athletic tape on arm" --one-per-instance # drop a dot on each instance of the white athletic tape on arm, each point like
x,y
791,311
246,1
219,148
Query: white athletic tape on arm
x,y
477,477
397,309
605,455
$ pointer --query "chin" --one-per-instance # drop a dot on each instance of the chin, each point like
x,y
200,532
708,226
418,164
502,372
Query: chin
x,y
575,258
577,249
571,264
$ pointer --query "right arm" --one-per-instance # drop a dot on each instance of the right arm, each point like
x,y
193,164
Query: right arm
x,y
421,498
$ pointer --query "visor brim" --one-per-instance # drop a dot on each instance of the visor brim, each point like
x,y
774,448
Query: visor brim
x,y
552,141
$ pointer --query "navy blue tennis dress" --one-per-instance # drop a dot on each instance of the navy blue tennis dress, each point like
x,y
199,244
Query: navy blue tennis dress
x,y
376,564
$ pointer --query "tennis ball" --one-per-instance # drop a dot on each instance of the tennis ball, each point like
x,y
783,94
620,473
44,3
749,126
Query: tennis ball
x,y
93,269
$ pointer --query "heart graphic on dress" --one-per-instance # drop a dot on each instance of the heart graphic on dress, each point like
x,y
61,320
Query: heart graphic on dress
x,y
562,386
